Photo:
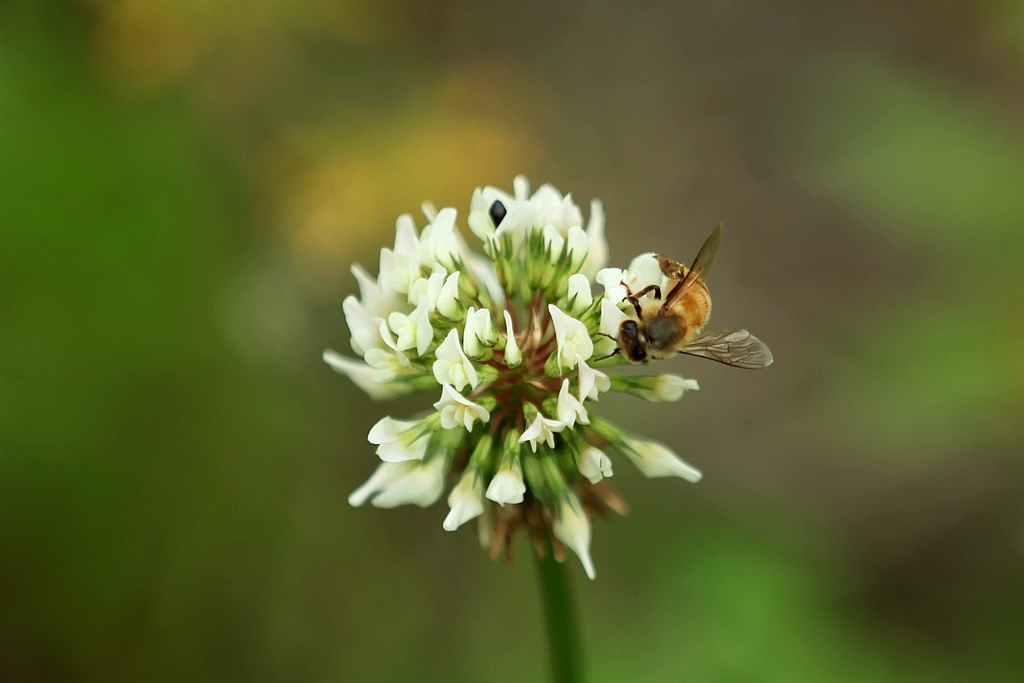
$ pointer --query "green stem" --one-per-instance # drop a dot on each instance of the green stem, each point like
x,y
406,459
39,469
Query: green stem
x,y
561,617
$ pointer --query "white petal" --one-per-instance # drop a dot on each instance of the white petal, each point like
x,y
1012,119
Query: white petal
x,y
572,338
578,245
672,387
507,486
644,270
424,332
362,375
384,472
369,293
611,318
365,332
579,295
592,382
466,500
513,356
597,246
388,429
593,464
611,279
568,409
406,241
458,411
572,527
399,440
416,483
553,243
541,430
448,297
439,244
521,187
452,366
655,459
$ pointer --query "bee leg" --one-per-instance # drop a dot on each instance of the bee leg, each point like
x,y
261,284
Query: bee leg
x,y
613,353
636,304
653,288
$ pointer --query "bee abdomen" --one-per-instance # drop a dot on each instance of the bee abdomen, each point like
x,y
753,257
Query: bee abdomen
x,y
664,332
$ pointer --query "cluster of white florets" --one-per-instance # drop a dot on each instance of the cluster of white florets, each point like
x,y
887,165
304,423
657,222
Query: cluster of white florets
x,y
510,340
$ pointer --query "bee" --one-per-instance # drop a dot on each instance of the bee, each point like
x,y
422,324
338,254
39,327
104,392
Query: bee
x,y
665,327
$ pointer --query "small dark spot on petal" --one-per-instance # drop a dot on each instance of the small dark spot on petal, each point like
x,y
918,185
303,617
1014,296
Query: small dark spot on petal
x,y
498,212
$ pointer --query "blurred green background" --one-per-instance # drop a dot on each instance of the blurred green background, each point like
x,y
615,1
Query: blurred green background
x,y
183,184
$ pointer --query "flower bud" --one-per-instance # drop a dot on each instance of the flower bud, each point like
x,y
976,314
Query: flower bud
x,y
513,356
654,387
448,298
479,334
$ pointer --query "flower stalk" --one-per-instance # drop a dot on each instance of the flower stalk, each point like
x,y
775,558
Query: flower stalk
x,y
565,646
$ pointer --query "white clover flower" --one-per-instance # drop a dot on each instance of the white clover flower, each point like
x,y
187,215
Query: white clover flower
x,y
592,382
579,297
658,460
593,464
363,376
507,486
652,458
572,337
643,271
438,243
371,297
403,483
406,257
597,246
570,410
555,210
400,440
572,527
452,366
554,244
458,411
466,500
527,382
365,331
513,356
424,293
414,330
541,431
577,245
479,335
448,298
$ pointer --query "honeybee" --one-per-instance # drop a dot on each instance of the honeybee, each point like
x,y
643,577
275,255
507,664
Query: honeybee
x,y
665,327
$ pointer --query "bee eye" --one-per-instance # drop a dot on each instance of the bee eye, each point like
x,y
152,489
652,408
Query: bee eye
x,y
497,212
639,353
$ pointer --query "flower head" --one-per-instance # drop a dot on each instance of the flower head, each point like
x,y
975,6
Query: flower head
x,y
511,343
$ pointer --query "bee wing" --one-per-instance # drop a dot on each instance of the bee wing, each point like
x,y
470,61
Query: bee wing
x,y
738,348
701,267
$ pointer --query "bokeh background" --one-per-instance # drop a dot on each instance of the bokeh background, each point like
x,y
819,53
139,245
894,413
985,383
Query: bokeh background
x,y
183,184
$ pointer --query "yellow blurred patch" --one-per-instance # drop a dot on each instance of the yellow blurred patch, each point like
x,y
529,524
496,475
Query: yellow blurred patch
x,y
478,127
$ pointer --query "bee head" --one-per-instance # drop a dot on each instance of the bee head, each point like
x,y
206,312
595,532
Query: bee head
x,y
630,343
